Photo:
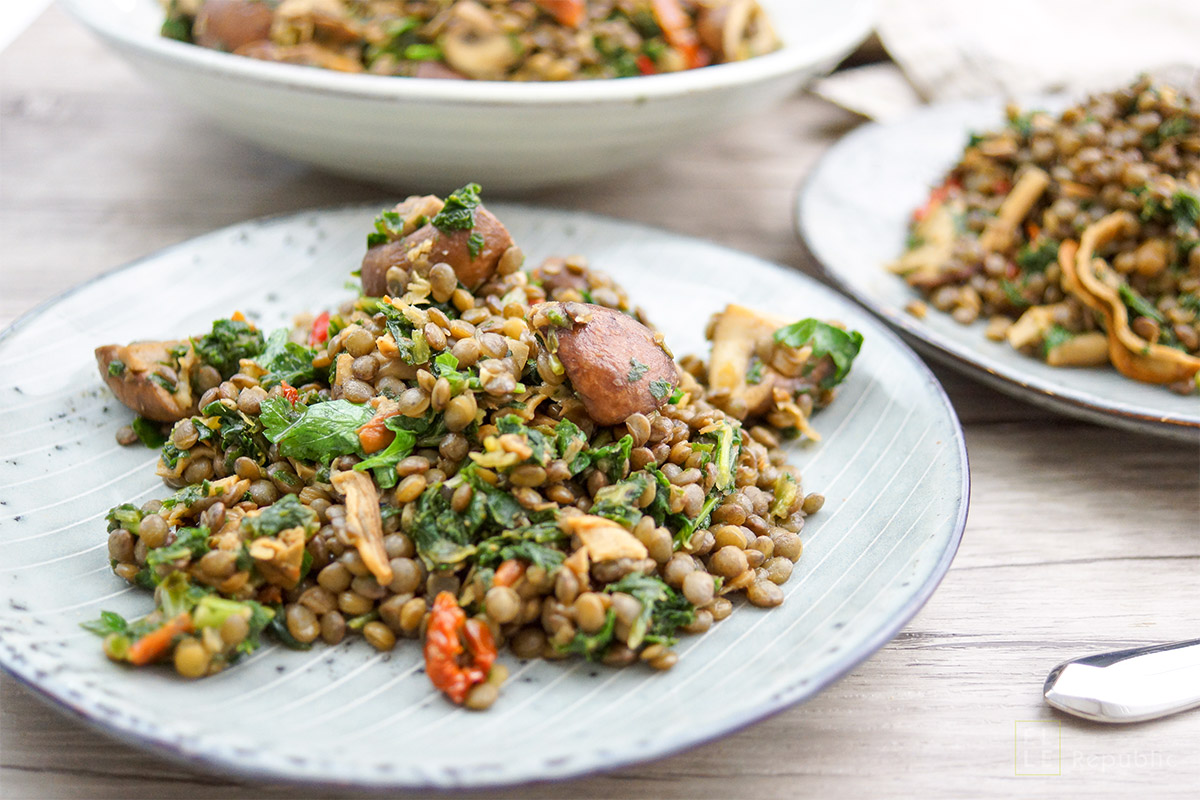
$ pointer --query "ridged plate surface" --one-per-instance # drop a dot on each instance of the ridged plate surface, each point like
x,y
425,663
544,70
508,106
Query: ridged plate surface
x,y
892,465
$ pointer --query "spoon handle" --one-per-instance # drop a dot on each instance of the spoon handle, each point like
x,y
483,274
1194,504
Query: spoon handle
x,y
1128,685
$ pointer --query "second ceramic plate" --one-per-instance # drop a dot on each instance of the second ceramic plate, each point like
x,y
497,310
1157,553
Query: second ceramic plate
x,y
853,215
892,466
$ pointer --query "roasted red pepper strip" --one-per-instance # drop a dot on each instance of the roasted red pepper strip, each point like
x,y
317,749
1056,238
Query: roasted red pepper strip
x,y
567,12
936,198
157,643
290,392
320,330
508,573
646,65
679,31
445,635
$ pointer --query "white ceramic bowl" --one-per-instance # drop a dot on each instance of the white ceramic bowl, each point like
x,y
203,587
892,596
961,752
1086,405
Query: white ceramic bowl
x,y
437,134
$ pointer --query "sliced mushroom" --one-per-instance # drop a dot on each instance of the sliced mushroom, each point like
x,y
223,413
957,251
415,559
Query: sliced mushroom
x,y
1085,350
603,539
1000,230
736,30
280,558
475,44
737,334
615,364
230,24
364,526
925,264
305,54
1096,284
129,371
430,245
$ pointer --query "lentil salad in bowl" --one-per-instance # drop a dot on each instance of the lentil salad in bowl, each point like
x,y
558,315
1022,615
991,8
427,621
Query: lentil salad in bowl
x,y
890,461
429,132
527,40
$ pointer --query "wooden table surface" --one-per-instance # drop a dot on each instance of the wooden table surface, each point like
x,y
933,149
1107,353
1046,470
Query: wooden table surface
x,y
1080,538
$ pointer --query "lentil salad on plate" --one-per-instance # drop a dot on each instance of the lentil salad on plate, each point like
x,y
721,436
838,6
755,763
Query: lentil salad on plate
x,y
1075,235
467,453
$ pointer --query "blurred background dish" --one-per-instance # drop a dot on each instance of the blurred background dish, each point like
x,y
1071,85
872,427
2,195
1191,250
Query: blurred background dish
x,y
854,212
437,134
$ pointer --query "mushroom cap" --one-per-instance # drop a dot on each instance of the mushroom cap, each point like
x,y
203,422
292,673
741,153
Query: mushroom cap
x,y
616,365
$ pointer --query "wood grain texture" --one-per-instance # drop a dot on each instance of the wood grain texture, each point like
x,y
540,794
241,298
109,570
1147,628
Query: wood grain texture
x,y
1080,538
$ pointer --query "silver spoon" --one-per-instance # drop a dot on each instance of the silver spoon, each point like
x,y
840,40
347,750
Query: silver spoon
x,y
1128,685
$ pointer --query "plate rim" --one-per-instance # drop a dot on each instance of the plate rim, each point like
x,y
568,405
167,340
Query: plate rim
x,y
1114,413
792,694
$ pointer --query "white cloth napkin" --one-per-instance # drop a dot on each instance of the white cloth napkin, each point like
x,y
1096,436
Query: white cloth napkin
x,y
951,49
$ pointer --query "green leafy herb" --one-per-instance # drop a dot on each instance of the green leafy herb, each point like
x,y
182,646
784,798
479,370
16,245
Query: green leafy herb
x,y
446,366
423,52
543,446
320,433
277,625
502,508
459,212
1023,124
228,343
388,227
162,380
109,622
240,435
664,610
409,341
116,368
443,536
178,28
1169,129
975,139
572,444
826,340
533,543
1190,301
786,492
150,433
127,516
729,445
636,370
1013,292
612,458
661,388
284,360
754,372
1056,335
618,501
1139,305
592,645
190,543
286,513
475,244
383,464
1036,259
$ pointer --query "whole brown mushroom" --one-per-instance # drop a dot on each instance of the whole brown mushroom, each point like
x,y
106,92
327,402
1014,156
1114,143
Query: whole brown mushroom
x,y
430,244
616,365
230,24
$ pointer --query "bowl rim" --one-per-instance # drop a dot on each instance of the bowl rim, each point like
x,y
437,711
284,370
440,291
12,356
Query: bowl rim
x,y
854,25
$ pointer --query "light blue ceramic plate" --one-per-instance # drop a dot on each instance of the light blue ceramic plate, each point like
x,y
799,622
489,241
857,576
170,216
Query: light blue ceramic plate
x,y
892,465
853,214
